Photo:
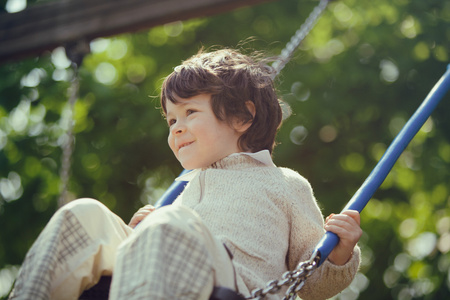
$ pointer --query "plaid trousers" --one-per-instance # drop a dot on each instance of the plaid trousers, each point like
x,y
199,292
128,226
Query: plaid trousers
x,y
169,255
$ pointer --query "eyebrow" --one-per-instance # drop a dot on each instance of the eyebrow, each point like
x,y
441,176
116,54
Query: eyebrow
x,y
184,102
179,103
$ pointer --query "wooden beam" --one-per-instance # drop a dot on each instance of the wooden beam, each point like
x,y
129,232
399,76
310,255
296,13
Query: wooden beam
x,y
48,25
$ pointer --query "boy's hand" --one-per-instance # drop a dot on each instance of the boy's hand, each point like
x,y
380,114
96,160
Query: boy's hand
x,y
346,226
140,215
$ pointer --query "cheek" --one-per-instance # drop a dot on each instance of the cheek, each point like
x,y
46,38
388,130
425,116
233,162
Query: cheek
x,y
171,142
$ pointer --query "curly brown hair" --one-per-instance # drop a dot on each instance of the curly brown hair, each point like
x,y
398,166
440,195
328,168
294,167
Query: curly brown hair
x,y
232,79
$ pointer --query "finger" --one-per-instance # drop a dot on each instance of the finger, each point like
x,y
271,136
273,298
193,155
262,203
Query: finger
x,y
138,217
354,214
135,221
349,217
142,213
346,237
341,224
329,217
338,230
344,221
147,207
344,229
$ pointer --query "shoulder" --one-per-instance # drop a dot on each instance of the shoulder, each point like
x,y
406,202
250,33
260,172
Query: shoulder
x,y
292,176
284,183
294,180
298,190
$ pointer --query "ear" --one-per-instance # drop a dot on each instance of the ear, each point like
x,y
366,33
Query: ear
x,y
242,127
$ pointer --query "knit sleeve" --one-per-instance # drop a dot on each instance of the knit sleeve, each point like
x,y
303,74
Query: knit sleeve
x,y
306,231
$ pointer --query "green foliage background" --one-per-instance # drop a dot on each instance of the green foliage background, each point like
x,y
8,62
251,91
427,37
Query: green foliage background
x,y
357,78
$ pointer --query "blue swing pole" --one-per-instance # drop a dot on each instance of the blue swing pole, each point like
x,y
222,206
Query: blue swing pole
x,y
384,166
172,192
375,178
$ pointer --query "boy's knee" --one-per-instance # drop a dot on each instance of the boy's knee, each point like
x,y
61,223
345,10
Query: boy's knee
x,y
84,207
95,217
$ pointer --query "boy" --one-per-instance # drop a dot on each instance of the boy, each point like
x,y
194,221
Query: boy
x,y
223,115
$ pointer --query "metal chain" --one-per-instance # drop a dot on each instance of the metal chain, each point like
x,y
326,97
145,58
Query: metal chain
x,y
294,279
75,53
68,142
298,37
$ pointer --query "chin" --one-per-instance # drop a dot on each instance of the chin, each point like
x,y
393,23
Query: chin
x,y
192,166
189,166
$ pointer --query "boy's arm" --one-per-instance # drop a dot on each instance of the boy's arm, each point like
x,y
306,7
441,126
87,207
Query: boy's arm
x,y
332,276
307,228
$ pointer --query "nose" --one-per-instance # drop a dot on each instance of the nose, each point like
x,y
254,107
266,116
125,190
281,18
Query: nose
x,y
178,128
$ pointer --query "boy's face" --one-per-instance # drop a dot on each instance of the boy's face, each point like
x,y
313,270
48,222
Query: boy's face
x,y
197,137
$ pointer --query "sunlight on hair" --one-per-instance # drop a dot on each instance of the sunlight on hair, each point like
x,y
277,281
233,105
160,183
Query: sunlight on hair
x,y
286,110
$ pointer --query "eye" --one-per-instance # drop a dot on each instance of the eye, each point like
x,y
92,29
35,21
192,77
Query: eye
x,y
170,122
190,112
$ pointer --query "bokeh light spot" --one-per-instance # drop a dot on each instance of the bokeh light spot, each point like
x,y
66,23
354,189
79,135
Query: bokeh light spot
x,y
298,134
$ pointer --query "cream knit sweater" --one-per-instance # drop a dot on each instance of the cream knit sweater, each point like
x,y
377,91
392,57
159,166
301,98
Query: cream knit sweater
x,y
269,219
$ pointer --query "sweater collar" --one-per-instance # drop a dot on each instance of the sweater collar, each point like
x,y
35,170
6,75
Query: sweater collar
x,y
262,156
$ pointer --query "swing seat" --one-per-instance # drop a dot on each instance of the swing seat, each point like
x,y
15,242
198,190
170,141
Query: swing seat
x,y
100,291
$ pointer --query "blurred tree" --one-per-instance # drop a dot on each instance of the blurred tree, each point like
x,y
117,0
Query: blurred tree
x,y
357,78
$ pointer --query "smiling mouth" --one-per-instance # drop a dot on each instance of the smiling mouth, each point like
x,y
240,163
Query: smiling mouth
x,y
184,145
